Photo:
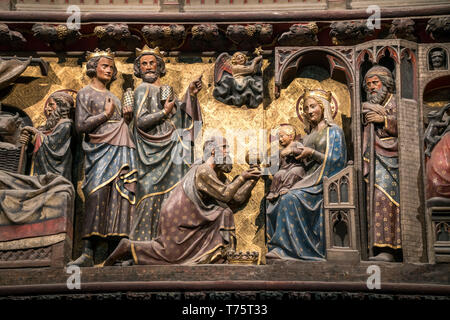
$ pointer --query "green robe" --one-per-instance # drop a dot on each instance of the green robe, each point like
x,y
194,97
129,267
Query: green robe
x,y
164,153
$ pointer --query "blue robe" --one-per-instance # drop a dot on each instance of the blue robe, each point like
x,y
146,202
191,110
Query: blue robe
x,y
295,223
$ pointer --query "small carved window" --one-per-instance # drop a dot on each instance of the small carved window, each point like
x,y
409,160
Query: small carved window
x,y
343,187
333,193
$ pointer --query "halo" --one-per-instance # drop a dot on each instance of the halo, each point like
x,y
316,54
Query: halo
x,y
299,107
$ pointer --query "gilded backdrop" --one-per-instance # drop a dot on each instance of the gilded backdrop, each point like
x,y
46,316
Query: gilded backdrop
x,y
244,128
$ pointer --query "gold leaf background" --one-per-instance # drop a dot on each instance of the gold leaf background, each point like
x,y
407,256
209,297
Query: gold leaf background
x,y
244,127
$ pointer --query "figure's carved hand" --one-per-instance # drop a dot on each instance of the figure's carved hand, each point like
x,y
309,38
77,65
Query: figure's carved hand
x,y
374,117
196,86
379,109
258,59
29,130
286,152
253,173
109,107
168,106
306,152
127,113
24,137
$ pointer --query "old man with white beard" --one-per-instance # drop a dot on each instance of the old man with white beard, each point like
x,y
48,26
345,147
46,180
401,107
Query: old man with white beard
x,y
381,111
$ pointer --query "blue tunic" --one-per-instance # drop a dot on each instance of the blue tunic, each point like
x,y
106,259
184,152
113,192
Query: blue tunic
x,y
295,222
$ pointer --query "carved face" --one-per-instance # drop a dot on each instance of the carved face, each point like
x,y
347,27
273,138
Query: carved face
x,y
149,67
376,91
437,59
49,107
313,110
373,84
105,69
239,58
285,138
222,157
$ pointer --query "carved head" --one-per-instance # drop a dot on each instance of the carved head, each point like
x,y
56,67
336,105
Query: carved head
x,y
101,67
437,59
286,134
317,107
10,127
149,67
378,83
239,58
218,148
63,104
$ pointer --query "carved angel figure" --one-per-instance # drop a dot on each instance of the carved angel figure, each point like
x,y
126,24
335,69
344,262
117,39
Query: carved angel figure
x,y
237,81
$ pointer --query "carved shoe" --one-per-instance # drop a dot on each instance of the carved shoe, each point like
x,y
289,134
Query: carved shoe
x,y
84,260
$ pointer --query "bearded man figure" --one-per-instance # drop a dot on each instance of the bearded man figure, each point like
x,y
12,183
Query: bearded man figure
x,y
52,141
197,223
381,111
163,131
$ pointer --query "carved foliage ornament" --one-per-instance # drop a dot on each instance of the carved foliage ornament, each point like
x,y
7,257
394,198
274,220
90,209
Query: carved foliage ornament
x,y
301,34
13,38
439,28
167,37
207,37
115,36
56,36
250,36
402,29
349,32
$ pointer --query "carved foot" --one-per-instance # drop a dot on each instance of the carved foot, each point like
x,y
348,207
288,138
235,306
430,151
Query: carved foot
x,y
384,256
272,255
123,250
84,260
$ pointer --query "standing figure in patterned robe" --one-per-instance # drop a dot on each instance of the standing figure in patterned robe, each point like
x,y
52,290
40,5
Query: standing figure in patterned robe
x,y
163,131
381,110
110,170
52,141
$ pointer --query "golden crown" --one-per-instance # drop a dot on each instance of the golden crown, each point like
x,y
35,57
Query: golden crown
x,y
240,257
147,50
100,53
317,93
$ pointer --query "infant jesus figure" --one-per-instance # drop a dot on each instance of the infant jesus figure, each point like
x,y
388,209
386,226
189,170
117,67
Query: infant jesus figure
x,y
290,170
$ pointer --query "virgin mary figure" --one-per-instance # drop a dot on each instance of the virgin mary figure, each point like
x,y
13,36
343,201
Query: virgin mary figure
x,y
295,222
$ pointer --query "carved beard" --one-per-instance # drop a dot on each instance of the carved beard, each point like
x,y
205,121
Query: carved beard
x,y
52,121
378,96
150,76
224,164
